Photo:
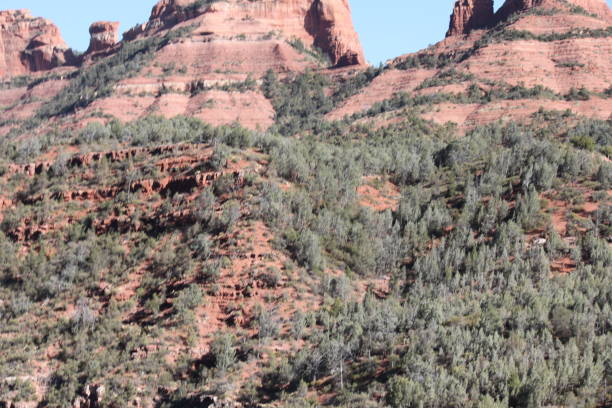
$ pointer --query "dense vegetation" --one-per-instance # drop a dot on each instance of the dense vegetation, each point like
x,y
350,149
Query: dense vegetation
x,y
473,312
484,281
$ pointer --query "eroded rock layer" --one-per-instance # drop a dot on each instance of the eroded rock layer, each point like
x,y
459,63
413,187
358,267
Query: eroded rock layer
x,y
325,24
29,44
596,7
469,15
104,35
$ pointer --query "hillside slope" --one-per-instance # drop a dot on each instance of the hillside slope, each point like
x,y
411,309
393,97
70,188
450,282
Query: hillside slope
x,y
216,212
544,56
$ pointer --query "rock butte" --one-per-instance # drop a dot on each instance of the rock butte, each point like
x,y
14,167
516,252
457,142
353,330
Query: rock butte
x,y
598,7
104,35
326,24
471,15
29,44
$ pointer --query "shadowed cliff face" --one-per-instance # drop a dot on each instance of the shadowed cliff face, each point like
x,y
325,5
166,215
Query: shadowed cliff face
x,y
330,24
29,44
470,15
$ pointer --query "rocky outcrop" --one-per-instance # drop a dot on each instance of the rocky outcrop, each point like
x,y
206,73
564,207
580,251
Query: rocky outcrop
x,y
470,15
325,24
29,44
596,7
599,7
104,36
165,14
331,25
513,6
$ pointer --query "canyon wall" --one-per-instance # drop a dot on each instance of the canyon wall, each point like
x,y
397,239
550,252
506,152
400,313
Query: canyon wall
x,y
469,15
325,24
29,44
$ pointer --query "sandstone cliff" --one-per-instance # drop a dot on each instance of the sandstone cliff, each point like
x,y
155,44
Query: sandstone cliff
x,y
325,24
596,7
469,15
104,35
29,44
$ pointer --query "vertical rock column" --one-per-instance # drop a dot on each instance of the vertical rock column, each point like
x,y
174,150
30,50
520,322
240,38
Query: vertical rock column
x,y
470,15
104,35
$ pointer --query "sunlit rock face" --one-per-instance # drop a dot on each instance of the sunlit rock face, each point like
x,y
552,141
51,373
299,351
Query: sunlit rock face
x,y
325,24
104,35
29,44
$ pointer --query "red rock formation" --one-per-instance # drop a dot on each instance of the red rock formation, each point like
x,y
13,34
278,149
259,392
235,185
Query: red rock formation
x,y
29,44
470,15
326,24
104,35
331,26
165,14
474,14
597,7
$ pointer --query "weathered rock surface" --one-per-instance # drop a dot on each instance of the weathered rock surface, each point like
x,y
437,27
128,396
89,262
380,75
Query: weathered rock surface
x,y
332,28
104,35
470,15
561,66
597,7
29,44
325,24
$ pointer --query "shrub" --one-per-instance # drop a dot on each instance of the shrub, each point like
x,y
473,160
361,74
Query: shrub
x,y
202,247
604,175
583,142
223,351
211,271
171,262
528,209
83,317
306,247
186,302
267,324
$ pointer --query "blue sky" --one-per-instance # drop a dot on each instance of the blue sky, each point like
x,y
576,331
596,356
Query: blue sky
x,y
387,28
